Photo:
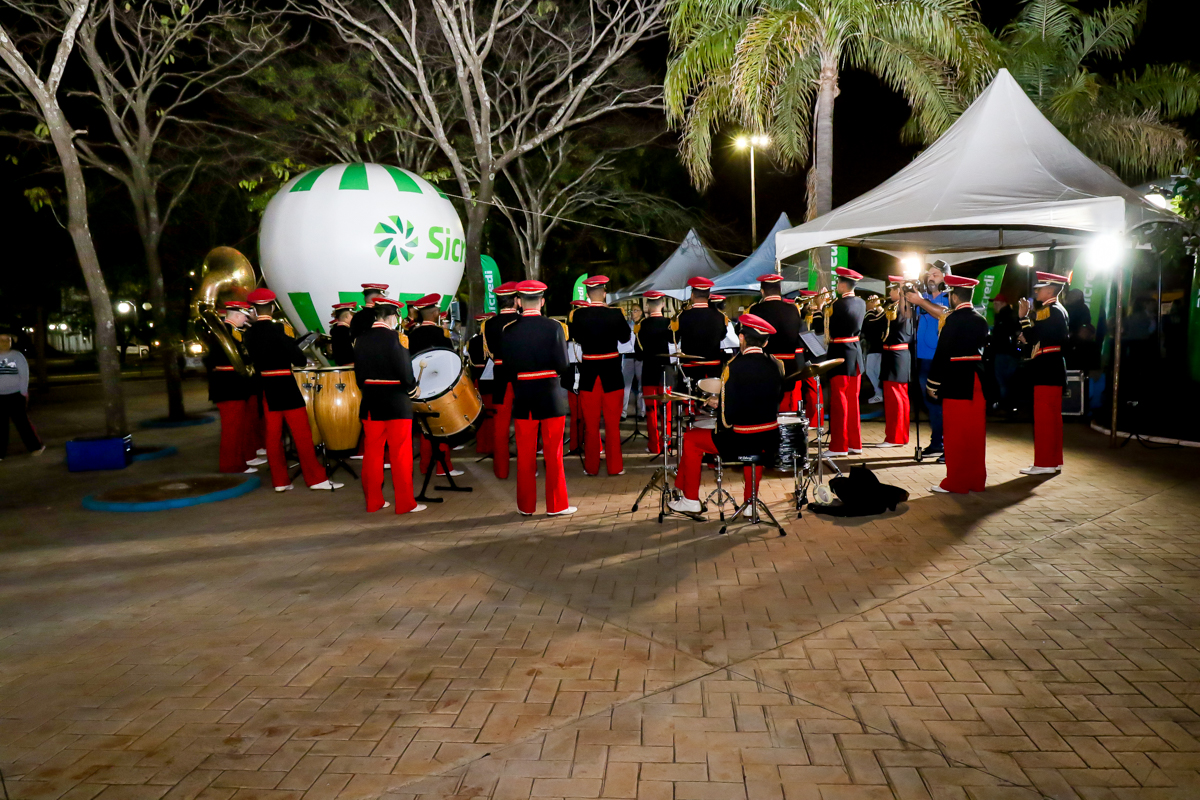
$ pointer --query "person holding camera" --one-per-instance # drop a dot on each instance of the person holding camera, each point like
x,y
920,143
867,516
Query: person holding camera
x,y
932,304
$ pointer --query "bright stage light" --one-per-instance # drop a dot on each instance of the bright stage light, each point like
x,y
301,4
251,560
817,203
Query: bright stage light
x,y
1106,251
1025,259
760,141
912,266
742,142
197,348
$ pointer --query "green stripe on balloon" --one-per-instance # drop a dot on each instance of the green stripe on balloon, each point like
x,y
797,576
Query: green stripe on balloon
x,y
302,302
403,181
351,297
354,176
307,180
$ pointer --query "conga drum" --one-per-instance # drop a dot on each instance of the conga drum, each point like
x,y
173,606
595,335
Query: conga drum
x,y
446,391
336,407
306,379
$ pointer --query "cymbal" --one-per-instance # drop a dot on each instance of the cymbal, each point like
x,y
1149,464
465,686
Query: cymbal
x,y
681,396
813,370
682,356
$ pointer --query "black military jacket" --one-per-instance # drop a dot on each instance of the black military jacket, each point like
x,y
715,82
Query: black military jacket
x,y
493,341
342,343
425,335
785,342
652,339
534,350
224,385
274,353
845,326
958,360
383,371
1047,334
698,332
748,413
896,364
598,329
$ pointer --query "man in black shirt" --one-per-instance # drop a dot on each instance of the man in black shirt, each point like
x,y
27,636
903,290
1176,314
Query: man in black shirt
x,y
230,392
699,330
502,389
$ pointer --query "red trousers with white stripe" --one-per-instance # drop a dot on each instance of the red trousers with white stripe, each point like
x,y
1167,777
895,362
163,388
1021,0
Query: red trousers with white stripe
x,y
658,412
552,456
378,435
500,440
234,436
596,402
297,422
964,434
1047,426
845,424
484,435
697,443
810,389
895,412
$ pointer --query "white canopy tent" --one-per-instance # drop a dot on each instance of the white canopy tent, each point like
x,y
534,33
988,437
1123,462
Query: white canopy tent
x,y
691,259
1001,180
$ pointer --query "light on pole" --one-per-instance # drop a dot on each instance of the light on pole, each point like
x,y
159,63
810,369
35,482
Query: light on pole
x,y
743,142
1106,253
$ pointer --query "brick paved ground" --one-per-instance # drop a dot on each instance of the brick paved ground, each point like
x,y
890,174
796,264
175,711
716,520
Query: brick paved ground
x,y
1036,640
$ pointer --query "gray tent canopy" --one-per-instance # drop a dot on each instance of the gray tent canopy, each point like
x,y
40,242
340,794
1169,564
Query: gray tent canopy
x,y
1002,179
691,259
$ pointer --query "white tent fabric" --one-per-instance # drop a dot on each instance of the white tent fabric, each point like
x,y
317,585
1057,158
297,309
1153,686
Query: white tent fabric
x,y
1002,178
691,259
744,277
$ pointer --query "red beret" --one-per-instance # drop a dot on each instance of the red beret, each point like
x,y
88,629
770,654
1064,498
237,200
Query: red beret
x,y
756,323
426,301
260,296
507,288
959,282
596,280
770,277
848,274
653,294
700,283
374,287
531,287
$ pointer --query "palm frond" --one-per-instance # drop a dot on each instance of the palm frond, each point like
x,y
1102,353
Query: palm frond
x,y
1136,146
790,121
771,44
1110,31
1174,89
708,110
1075,99
710,52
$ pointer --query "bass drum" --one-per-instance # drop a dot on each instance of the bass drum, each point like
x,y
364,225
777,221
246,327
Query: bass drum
x,y
306,379
446,391
336,407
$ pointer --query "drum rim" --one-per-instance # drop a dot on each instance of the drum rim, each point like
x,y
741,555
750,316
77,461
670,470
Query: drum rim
x,y
462,373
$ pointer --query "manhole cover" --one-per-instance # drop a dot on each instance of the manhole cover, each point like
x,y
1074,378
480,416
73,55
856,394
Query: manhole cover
x,y
170,493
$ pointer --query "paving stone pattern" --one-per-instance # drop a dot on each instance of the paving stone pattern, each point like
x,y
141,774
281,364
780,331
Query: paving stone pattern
x,y
1037,640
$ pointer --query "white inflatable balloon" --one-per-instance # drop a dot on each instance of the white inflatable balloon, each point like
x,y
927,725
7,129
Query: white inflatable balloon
x,y
332,229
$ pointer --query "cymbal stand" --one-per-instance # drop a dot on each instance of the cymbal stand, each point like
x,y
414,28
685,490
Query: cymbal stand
x,y
822,459
660,481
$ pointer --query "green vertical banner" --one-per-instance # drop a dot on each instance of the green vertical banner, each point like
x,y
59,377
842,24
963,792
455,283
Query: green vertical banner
x,y
491,279
1194,326
838,257
579,291
987,289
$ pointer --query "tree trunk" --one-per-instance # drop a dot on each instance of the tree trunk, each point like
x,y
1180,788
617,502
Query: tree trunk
x,y
477,214
534,272
820,196
158,301
89,262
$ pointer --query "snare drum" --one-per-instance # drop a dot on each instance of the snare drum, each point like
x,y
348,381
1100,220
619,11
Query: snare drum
x,y
306,379
793,441
336,407
446,391
709,385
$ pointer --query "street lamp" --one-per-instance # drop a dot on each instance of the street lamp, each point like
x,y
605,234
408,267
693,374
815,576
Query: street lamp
x,y
1105,252
743,142
124,307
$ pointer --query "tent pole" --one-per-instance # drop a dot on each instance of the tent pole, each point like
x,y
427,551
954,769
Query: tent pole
x,y
1116,381
753,205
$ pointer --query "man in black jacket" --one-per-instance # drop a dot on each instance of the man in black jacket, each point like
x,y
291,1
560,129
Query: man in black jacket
x,y
383,371
426,332
954,379
534,348
784,344
230,392
502,386
599,329
340,340
366,315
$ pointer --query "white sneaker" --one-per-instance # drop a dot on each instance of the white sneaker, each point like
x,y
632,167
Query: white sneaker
x,y
418,507
1039,471
566,511
386,504
326,485
287,488
876,399
262,451
854,452
525,513
888,444
387,466
249,470
833,454
454,473
39,451
356,458
938,488
254,462
460,447
685,506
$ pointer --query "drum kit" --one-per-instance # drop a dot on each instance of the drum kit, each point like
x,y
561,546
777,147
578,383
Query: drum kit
x,y
447,406
691,409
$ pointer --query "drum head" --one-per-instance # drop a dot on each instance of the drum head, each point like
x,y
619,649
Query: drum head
x,y
438,368
710,385
707,423
792,419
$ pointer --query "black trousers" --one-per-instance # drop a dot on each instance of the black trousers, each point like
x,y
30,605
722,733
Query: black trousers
x,y
12,406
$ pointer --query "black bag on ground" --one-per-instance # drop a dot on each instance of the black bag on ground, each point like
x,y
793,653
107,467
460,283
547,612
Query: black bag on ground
x,y
861,494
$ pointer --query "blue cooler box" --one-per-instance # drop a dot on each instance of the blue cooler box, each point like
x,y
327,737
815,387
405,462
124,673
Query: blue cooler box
x,y
99,452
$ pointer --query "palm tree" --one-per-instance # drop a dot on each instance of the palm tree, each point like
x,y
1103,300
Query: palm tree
x,y
1125,122
774,65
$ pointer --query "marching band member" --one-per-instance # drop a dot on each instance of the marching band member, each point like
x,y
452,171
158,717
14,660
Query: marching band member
x,y
534,348
341,341
1046,333
231,394
954,379
570,382
274,352
652,340
366,315
426,331
477,362
502,389
810,388
700,330
252,422
599,330
895,368
784,344
383,371
747,414
845,326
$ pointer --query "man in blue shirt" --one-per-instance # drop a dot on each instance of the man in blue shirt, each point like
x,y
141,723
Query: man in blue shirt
x,y
931,304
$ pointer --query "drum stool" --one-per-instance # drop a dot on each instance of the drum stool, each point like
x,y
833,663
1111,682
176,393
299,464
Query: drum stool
x,y
754,505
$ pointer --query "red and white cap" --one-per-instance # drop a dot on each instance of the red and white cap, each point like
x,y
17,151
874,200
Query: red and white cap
x,y
344,306
595,280
756,323
959,282
580,303
531,287
482,317
387,301
374,287
897,279
703,284
1050,279
426,301
237,305
716,298
847,274
506,288
808,293
653,294
261,296
770,277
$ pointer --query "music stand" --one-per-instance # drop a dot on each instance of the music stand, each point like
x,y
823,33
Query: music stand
x,y
438,457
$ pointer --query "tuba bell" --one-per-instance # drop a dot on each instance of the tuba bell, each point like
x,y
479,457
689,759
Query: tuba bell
x,y
225,275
